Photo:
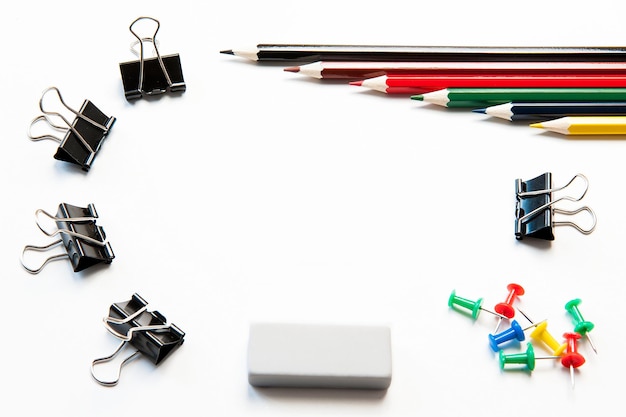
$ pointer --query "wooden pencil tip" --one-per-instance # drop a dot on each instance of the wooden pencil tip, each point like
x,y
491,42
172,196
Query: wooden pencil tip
x,y
357,83
419,97
227,51
292,69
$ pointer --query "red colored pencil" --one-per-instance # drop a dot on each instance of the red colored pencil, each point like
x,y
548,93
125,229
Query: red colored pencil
x,y
420,84
360,70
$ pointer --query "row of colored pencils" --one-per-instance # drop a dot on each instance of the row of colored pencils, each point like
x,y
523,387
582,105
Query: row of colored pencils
x,y
572,91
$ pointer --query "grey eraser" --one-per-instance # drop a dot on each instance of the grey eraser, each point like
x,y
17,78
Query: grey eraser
x,y
319,356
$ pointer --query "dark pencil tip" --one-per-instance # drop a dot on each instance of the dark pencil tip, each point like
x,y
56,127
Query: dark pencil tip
x,y
419,97
292,69
227,51
483,111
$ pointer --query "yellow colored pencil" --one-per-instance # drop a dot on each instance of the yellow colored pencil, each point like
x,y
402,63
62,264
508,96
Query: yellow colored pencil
x,y
585,125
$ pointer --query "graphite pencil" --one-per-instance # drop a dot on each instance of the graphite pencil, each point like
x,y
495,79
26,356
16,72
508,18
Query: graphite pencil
x,y
585,125
312,52
358,70
537,112
485,97
420,84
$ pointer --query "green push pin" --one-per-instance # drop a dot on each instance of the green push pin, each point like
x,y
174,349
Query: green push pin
x,y
527,358
581,326
465,305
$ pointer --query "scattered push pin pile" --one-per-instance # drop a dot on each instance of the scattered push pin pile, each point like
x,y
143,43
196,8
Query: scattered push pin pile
x,y
566,351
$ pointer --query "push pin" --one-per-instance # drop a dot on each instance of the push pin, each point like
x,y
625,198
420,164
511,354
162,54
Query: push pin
x,y
151,76
527,358
147,331
541,334
513,332
581,326
571,358
506,308
474,307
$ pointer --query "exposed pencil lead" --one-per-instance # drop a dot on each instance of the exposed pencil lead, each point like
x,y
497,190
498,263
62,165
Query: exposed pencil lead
x,y
484,111
227,51
357,83
538,125
292,69
419,97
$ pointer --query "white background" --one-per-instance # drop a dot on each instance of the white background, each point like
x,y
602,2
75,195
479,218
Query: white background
x,y
261,195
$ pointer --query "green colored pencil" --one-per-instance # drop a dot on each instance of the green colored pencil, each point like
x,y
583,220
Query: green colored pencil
x,y
483,97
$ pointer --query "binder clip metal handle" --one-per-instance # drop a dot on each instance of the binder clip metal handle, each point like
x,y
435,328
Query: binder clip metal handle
x,y
575,225
151,39
45,118
554,190
92,218
42,249
75,112
129,335
112,383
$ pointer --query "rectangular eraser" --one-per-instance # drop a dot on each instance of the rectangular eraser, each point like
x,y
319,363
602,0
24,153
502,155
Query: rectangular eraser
x,y
319,356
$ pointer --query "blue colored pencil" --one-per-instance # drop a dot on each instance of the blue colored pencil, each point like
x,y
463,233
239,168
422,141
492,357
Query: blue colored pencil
x,y
538,112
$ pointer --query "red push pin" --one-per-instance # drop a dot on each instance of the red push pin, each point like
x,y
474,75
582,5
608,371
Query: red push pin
x,y
571,358
506,308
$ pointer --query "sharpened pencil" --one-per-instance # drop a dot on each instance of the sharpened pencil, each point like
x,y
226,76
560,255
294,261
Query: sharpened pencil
x,y
312,52
585,125
485,97
358,70
538,112
420,84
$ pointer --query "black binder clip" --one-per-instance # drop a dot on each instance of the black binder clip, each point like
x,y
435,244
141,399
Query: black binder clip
x,y
82,137
147,332
151,76
534,209
85,242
